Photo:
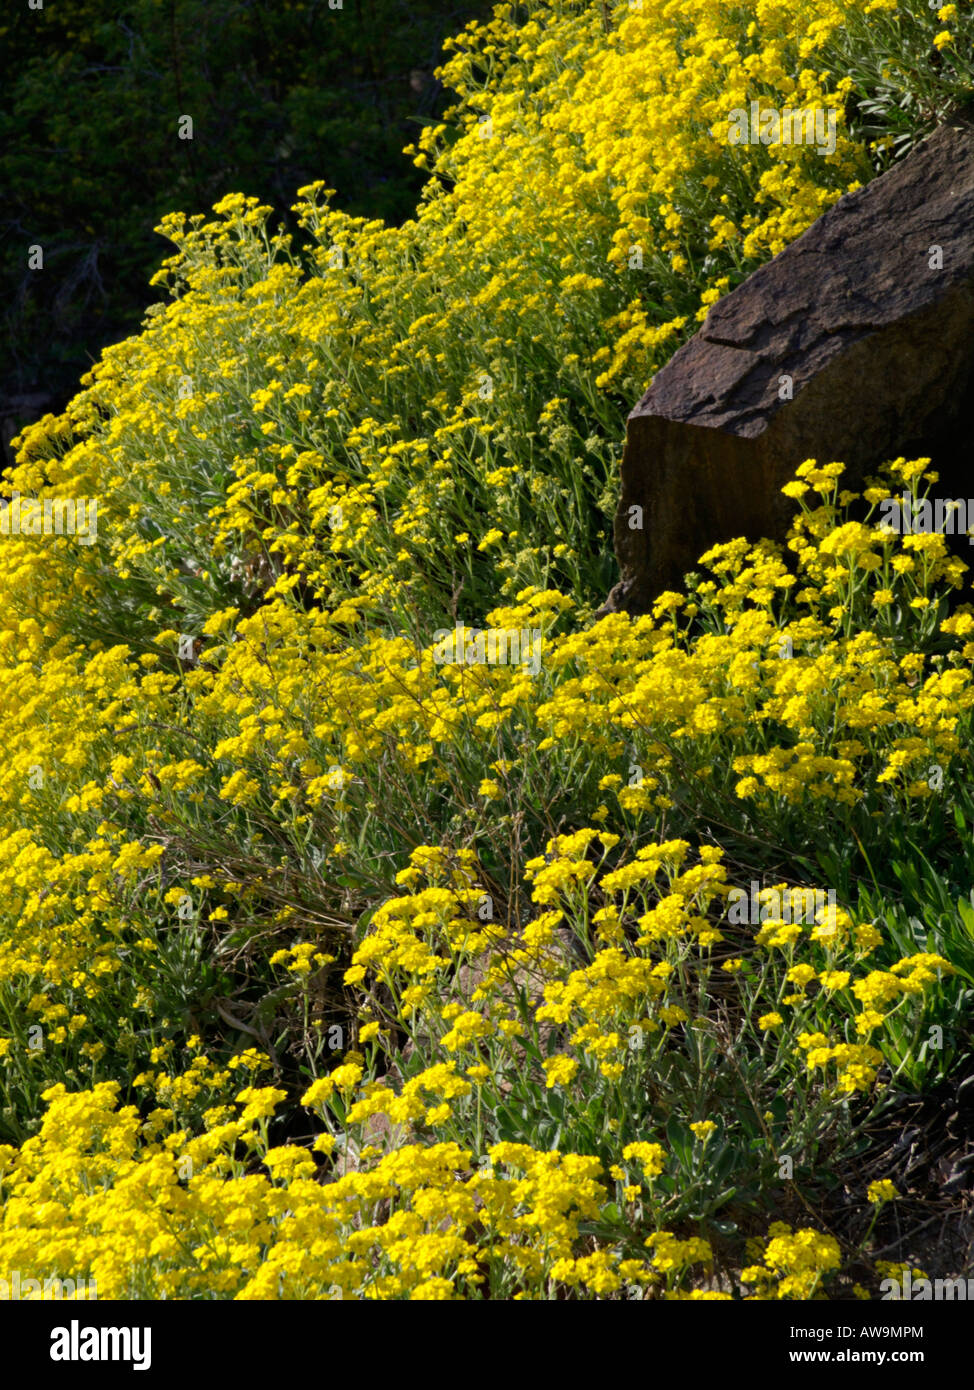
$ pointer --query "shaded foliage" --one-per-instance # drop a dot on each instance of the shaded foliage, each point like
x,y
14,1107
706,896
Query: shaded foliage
x,y
91,156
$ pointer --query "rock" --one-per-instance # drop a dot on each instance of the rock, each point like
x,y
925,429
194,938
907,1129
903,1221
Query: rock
x,y
856,343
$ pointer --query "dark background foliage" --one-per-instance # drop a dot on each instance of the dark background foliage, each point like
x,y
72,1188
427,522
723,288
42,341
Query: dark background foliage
x,y
281,92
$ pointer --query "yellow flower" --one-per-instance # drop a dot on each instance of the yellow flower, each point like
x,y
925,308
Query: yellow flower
x,y
259,1102
559,1071
650,1157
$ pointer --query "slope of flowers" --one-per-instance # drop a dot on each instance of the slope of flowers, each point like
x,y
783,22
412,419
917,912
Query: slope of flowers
x,y
558,1064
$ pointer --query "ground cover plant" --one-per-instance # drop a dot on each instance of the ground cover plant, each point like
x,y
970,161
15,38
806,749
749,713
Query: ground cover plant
x,y
339,960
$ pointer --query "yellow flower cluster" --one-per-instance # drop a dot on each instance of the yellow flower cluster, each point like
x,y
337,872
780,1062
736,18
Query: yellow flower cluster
x,y
229,723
